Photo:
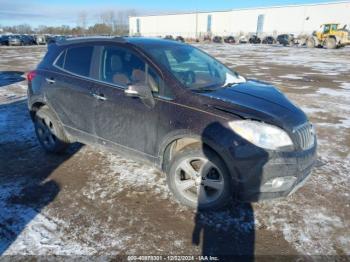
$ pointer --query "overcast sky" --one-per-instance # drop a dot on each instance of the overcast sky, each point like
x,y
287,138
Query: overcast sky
x,y
59,12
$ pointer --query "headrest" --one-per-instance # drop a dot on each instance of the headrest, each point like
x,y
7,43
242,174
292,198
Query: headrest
x,y
116,63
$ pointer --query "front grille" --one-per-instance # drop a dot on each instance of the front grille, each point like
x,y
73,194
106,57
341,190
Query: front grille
x,y
304,136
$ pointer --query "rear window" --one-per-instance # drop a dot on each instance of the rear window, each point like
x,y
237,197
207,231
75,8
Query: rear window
x,y
76,60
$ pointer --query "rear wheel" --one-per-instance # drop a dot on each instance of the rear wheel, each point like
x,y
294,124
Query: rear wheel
x,y
310,43
199,179
49,131
331,43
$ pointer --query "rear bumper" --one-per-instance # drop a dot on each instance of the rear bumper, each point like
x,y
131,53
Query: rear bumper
x,y
274,174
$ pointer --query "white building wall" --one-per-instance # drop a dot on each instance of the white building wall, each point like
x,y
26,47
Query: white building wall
x,y
298,19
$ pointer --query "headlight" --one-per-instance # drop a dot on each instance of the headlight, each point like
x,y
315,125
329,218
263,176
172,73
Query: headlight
x,y
261,134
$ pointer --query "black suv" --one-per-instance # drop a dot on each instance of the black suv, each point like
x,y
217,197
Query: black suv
x,y
214,133
254,40
269,40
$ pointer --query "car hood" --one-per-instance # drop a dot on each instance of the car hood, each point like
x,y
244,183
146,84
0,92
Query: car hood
x,y
257,100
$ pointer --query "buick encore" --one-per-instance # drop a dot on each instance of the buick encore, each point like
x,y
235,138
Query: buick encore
x,y
215,134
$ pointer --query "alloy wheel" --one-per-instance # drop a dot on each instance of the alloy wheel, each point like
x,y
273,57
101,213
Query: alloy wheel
x,y
199,180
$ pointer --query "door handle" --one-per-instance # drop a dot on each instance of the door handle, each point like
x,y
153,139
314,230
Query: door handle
x,y
50,80
99,97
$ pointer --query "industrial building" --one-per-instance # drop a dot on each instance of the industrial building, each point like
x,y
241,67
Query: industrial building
x,y
294,19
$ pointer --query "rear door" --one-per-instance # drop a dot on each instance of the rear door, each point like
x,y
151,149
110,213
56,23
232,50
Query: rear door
x,y
70,90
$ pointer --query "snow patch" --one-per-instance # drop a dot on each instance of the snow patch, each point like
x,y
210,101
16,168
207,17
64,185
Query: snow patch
x,y
334,92
345,85
291,76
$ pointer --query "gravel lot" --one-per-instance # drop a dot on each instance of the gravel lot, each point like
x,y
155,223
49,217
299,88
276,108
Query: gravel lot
x,y
91,202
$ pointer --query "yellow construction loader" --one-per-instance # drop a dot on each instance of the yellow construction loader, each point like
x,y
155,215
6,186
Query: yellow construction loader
x,y
329,35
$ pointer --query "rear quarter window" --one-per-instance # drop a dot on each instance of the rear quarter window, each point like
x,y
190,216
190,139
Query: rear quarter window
x,y
60,61
76,60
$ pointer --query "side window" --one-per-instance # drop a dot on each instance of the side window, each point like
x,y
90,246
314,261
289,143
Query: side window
x,y
326,29
60,61
121,67
78,60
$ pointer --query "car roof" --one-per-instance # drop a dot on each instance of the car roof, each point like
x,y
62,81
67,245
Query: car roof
x,y
331,24
138,41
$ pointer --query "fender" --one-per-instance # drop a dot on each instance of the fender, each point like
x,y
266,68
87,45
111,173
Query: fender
x,y
32,100
171,137
185,133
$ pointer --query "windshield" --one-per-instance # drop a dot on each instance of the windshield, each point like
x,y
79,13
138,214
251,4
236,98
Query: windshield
x,y
193,68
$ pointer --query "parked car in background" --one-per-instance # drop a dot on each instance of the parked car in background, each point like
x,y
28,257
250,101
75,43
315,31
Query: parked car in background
x,y
285,39
54,39
39,39
217,39
243,40
4,40
169,37
180,39
254,39
207,38
15,40
269,40
215,134
230,40
27,40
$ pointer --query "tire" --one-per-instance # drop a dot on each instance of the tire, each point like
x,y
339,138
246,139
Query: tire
x,y
331,43
49,131
310,43
199,179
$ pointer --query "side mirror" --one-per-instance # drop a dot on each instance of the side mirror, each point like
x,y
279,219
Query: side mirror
x,y
142,91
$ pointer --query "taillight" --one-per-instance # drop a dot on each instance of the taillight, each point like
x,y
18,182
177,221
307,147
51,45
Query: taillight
x,y
31,75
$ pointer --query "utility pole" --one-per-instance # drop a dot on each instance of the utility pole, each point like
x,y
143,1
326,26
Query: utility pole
x,y
196,24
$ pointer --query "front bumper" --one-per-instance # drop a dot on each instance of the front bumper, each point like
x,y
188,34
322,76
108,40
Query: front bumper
x,y
256,174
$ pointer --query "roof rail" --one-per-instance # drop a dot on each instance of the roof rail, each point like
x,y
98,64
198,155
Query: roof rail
x,y
85,39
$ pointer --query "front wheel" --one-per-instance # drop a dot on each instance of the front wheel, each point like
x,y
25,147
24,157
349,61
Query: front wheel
x,y
199,179
49,131
331,43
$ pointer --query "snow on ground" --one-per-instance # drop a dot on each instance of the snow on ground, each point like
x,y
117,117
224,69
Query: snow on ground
x,y
331,62
38,233
99,202
291,76
122,175
312,227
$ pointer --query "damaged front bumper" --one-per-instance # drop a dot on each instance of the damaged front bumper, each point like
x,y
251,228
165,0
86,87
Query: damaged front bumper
x,y
277,174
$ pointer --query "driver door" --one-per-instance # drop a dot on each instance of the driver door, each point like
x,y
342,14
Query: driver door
x,y
121,120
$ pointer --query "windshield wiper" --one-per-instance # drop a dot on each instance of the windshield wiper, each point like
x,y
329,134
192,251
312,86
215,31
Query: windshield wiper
x,y
211,87
215,86
202,89
229,84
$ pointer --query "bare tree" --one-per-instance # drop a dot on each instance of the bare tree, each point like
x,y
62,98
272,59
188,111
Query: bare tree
x,y
42,29
108,19
23,29
122,27
100,29
111,22
82,21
